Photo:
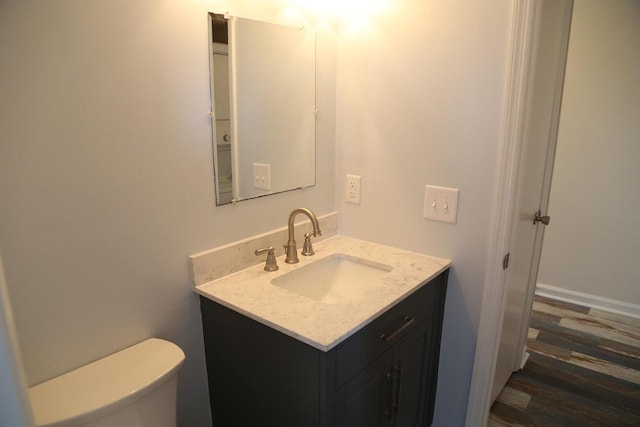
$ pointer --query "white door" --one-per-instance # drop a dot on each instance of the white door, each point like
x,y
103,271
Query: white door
x,y
534,182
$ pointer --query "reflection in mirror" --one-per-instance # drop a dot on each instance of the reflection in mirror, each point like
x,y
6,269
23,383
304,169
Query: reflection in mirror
x,y
263,107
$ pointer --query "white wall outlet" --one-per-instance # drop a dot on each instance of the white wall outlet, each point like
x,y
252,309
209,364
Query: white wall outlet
x,y
352,189
262,176
441,204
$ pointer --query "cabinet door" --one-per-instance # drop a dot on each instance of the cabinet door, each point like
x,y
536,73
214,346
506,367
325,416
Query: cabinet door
x,y
392,391
366,400
410,371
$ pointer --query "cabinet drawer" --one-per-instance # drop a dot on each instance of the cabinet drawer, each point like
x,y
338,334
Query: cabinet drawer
x,y
384,332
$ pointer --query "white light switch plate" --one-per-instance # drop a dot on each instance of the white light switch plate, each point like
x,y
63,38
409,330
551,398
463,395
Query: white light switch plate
x,y
262,176
441,204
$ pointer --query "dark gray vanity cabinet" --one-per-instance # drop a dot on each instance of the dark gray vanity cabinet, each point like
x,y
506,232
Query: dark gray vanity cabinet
x,y
392,390
384,375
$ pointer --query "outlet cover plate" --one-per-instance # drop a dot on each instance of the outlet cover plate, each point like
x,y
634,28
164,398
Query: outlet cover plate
x,y
441,204
262,176
352,189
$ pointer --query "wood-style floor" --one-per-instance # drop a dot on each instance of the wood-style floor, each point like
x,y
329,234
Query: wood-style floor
x,y
584,370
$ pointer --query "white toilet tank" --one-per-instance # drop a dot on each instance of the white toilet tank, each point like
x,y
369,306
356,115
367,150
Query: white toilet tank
x,y
135,387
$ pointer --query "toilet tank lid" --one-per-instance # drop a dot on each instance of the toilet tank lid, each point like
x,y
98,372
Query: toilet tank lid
x,y
106,384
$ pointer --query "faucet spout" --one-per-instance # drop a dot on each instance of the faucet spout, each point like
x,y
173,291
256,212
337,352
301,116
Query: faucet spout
x,y
290,246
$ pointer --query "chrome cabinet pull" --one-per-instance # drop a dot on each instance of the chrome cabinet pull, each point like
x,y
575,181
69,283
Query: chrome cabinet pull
x,y
398,380
388,413
408,322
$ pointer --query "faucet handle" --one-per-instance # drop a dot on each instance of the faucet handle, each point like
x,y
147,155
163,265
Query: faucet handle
x,y
271,264
307,249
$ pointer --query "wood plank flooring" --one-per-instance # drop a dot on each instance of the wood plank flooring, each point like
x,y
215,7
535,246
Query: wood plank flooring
x,y
583,370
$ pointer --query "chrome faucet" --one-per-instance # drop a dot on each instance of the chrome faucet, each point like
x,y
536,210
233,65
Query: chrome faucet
x,y
290,246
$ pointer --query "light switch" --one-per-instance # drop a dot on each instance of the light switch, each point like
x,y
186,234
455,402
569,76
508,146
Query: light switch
x,y
441,203
262,176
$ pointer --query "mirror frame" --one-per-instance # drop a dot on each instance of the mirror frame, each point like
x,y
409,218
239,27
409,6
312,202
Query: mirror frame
x,y
282,130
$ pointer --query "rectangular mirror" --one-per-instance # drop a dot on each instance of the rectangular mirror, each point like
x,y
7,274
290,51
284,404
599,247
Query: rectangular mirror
x,y
263,107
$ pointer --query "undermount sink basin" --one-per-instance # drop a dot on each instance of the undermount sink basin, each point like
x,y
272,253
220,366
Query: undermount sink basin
x,y
334,279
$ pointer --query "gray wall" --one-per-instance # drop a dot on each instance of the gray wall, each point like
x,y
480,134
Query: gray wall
x,y
593,241
106,178
420,101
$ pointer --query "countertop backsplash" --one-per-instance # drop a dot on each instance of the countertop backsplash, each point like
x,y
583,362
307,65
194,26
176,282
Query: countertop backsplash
x,y
233,257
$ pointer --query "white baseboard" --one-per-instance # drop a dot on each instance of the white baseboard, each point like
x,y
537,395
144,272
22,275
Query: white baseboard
x,y
525,357
588,300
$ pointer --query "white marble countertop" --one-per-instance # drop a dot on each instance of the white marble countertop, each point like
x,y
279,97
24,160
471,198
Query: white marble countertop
x,y
320,324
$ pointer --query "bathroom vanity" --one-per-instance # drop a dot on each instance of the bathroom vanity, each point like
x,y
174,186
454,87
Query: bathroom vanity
x,y
370,358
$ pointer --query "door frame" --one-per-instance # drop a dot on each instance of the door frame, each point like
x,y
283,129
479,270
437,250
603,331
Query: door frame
x,y
17,407
524,22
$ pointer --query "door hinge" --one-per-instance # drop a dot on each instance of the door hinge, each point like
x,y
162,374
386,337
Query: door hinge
x,y
505,261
